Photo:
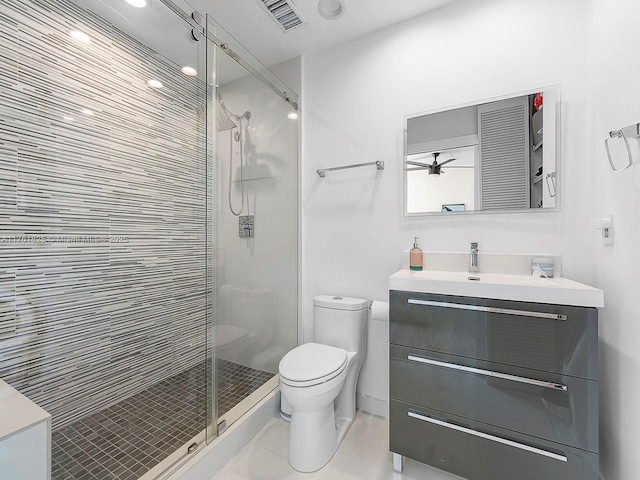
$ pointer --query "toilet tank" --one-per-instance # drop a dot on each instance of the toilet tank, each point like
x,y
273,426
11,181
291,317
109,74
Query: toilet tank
x,y
340,322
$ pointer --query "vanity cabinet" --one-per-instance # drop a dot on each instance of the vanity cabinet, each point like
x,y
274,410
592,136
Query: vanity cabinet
x,y
493,389
25,437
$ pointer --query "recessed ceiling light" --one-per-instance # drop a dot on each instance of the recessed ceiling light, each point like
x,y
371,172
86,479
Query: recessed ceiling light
x,y
67,118
332,9
80,37
293,116
189,71
86,111
137,3
155,83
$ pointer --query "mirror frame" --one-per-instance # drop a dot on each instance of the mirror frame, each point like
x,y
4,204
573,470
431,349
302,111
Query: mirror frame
x,y
556,88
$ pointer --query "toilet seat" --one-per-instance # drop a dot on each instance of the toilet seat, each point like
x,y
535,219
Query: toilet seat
x,y
312,364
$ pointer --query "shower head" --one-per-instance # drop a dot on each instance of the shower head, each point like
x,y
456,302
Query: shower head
x,y
225,122
228,120
225,117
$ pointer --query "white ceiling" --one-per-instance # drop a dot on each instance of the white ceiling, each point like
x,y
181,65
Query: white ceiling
x,y
157,27
250,24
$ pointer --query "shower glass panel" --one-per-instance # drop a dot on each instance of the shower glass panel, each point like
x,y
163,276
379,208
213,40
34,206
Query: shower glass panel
x,y
256,153
105,226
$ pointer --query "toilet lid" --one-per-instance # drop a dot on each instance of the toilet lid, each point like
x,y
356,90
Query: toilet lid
x,y
312,361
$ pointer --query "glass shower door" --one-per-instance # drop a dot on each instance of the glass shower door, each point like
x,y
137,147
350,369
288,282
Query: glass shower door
x,y
105,269
256,238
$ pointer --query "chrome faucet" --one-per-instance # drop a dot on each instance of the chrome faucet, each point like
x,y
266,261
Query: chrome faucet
x,y
473,259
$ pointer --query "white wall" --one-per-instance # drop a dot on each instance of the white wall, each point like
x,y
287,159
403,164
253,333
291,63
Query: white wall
x,y
615,98
356,98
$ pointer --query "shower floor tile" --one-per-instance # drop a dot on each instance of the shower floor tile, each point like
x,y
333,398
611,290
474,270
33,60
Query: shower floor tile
x,y
127,439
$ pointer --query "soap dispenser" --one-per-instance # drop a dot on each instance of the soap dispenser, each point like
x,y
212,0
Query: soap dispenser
x,y
415,256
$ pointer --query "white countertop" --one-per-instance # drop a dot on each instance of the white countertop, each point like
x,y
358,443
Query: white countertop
x,y
17,412
523,288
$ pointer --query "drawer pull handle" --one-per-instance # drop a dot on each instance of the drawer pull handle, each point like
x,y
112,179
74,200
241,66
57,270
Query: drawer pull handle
x,y
489,373
480,308
486,436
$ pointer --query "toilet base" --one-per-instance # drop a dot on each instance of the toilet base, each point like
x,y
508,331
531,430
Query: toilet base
x,y
317,449
312,455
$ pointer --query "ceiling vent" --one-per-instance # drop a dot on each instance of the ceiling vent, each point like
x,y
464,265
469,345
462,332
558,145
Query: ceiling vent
x,y
284,13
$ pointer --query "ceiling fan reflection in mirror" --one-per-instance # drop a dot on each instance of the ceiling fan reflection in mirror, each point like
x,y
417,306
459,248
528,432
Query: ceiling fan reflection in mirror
x,y
434,168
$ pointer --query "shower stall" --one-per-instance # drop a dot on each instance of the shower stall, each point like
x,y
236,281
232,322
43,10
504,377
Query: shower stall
x,y
148,228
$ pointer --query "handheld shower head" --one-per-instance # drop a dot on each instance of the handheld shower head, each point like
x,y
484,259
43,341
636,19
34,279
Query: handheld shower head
x,y
246,115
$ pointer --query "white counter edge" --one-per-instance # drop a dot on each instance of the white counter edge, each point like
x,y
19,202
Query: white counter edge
x,y
581,295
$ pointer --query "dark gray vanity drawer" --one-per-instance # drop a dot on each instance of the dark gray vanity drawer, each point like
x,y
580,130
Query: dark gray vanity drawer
x,y
546,405
478,451
553,338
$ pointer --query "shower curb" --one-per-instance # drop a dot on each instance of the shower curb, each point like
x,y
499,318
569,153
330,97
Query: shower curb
x,y
210,460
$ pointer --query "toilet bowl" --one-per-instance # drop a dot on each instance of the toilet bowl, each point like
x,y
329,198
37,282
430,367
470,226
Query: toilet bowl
x,y
311,377
318,379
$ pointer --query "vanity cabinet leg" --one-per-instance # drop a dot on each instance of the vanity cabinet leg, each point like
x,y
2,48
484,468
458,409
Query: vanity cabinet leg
x,y
397,462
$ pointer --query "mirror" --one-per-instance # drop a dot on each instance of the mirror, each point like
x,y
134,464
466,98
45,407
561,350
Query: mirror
x,y
498,156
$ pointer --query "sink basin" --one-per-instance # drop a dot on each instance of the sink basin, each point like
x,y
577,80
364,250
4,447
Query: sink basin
x,y
524,288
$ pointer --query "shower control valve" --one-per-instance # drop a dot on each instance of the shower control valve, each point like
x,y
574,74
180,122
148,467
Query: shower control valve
x,y
246,226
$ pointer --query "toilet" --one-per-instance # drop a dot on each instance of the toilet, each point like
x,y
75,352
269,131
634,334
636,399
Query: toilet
x,y
318,379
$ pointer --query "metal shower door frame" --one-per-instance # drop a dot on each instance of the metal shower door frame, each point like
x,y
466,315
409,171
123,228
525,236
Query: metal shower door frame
x,y
238,53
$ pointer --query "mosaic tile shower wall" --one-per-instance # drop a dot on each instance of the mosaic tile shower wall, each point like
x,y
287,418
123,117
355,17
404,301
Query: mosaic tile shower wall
x,y
102,211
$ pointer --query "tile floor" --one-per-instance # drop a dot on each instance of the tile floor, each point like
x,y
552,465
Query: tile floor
x,y
127,439
364,454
